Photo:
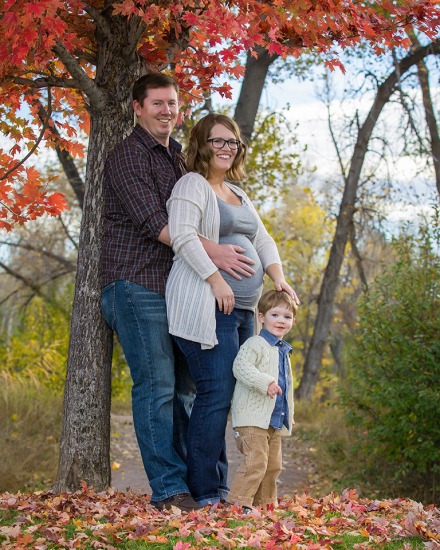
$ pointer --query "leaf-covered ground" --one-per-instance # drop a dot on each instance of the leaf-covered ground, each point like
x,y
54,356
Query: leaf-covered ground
x,y
111,520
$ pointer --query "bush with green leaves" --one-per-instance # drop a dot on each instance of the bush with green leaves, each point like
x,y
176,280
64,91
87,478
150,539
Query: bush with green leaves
x,y
392,391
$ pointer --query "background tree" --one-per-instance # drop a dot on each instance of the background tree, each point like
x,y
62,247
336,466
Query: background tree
x,y
347,210
303,231
78,61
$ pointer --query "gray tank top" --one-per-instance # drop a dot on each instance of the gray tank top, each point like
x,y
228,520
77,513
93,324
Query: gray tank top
x,y
238,225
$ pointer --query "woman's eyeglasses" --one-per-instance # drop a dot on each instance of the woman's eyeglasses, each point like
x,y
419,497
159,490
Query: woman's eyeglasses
x,y
219,143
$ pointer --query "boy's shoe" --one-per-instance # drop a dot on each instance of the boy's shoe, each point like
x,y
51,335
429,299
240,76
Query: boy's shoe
x,y
183,501
246,510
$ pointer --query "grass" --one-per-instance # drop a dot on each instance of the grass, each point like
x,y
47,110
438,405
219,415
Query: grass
x,y
30,420
348,542
351,541
30,427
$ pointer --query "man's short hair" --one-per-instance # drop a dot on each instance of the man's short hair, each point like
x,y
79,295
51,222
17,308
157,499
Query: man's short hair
x,y
272,298
151,81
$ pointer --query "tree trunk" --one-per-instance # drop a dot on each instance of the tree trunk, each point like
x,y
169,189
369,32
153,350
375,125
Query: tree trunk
x,y
430,119
85,437
329,284
251,90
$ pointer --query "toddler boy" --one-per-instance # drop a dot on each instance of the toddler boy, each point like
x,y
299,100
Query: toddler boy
x,y
262,404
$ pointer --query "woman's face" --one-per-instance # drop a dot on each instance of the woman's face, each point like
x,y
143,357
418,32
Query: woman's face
x,y
224,146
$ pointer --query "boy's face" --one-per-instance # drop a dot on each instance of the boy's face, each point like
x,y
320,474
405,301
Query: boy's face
x,y
278,320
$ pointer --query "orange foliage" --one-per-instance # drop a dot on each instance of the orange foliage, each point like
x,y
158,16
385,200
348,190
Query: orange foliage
x,y
201,40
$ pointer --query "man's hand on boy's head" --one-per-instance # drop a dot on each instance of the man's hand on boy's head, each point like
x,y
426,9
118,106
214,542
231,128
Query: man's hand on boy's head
x,y
273,389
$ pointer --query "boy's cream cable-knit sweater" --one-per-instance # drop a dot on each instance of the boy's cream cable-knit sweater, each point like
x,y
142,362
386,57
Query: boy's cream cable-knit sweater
x,y
255,367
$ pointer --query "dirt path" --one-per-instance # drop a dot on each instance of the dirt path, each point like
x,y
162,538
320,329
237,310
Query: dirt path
x,y
299,469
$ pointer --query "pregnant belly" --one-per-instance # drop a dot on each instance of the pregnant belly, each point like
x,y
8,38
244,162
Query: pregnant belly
x,y
246,291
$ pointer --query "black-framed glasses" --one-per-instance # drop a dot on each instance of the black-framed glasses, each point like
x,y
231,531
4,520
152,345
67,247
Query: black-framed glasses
x,y
219,143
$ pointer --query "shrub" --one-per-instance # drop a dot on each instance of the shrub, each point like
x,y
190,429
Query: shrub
x,y
392,392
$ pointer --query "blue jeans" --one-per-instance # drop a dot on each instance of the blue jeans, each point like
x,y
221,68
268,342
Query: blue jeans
x,y
211,371
162,387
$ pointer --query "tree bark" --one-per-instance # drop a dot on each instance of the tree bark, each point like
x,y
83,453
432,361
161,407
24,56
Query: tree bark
x,y
431,122
329,284
85,437
251,90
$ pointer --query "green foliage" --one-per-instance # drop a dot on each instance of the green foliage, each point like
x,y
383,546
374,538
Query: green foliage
x,y
121,379
303,233
274,158
392,394
37,349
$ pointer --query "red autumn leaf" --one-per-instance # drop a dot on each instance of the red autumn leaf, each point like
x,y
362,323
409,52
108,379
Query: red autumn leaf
x,y
48,56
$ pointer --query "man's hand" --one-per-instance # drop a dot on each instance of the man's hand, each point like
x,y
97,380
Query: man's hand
x,y
229,258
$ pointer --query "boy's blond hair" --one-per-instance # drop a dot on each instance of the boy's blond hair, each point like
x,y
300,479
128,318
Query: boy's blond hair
x,y
272,298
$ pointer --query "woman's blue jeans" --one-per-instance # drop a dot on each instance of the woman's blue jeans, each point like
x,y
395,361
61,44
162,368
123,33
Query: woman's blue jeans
x,y
211,371
162,392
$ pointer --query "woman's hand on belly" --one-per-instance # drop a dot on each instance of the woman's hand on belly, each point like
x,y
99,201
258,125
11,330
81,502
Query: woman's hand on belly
x,y
222,293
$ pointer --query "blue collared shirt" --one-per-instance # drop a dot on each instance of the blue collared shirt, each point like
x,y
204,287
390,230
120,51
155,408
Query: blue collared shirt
x,y
280,415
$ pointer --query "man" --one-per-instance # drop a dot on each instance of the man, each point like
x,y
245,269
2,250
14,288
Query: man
x,y
136,259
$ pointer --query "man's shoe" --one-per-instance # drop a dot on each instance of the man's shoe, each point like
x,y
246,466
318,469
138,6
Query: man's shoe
x,y
183,501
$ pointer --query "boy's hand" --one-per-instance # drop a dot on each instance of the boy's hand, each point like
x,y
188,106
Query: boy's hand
x,y
273,389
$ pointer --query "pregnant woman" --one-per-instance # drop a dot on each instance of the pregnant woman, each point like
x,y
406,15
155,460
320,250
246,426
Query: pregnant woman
x,y
211,313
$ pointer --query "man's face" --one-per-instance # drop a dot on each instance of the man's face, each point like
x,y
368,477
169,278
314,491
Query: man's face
x,y
158,114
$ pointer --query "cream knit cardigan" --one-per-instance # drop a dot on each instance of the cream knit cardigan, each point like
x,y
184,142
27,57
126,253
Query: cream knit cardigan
x,y
255,367
193,211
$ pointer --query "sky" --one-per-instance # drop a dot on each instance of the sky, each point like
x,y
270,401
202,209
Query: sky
x,y
310,112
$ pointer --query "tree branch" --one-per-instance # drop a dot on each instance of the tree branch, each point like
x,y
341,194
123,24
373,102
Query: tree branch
x,y
101,23
44,82
70,266
40,137
383,94
36,289
431,122
332,134
66,161
86,84
404,103
27,282
67,233
137,35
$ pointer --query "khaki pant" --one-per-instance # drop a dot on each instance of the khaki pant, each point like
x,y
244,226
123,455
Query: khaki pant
x,y
255,480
